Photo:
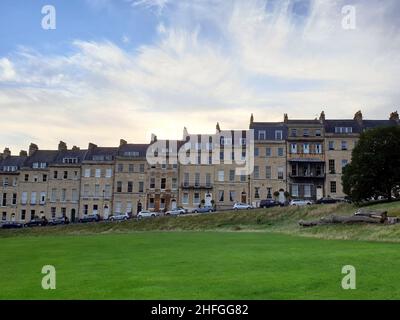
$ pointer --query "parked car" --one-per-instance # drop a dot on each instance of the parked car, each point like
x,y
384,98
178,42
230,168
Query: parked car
x,y
12,225
90,218
326,200
147,214
269,203
242,206
176,212
58,221
204,209
299,202
119,217
37,222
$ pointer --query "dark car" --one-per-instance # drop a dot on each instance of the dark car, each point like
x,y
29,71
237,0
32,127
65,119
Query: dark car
x,y
326,201
36,222
269,203
12,225
90,218
58,221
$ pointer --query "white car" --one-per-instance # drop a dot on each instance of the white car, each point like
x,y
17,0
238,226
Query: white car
x,y
176,212
119,217
242,206
147,214
299,202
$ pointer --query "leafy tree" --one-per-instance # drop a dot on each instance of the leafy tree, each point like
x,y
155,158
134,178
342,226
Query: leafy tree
x,y
375,166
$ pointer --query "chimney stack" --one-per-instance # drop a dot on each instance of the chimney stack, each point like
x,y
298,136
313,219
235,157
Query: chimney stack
x,y
75,148
322,117
285,118
62,146
6,153
32,149
92,146
23,153
394,116
251,119
358,117
153,138
122,142
218,128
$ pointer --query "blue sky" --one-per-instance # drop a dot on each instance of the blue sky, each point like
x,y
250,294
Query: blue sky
x,y
127,68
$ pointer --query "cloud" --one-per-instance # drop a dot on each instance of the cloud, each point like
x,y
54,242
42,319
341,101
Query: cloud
x,y
209,61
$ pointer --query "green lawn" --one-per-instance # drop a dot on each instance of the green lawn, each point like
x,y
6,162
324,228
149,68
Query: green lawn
x,y
196,265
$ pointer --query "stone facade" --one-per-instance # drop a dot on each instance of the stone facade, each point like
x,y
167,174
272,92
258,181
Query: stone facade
x,y
293,158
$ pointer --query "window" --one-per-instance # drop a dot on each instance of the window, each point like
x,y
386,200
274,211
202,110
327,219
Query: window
x,y
26,178
164,166
306,132
163,183
261,135
197,179
267,152
306,148
120,167
23,214
152,183
196,198
162,203
333,186
35,179
108,173
344,145
87,173
4,216
97,190
4,201
256,172
42,197
5,181
85,209
85,190
33,198
331,145
129,208
318,148
257,192
131,168
75,196
221,195
24,197
344,163
256,152
318,132
293,132
221,175
332,166
63,212
53,212
14,199
65,175
95,208
119,186
267,172
231,175
307,191
141,168
141,186
107,191
44,178
185,198
269,193
32,214
208,180
174,183
280,173
118,206
130,186
232,195
186,179
295,190
293,148
243,178
98,173
280,152
278,135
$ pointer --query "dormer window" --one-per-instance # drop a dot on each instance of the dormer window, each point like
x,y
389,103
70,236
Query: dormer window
x,y
70,160
306,132
261,135
278,135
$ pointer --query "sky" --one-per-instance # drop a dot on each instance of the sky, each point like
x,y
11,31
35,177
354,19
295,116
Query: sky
x,y
115,69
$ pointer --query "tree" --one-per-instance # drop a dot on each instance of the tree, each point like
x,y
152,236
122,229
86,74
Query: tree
x,y
375,166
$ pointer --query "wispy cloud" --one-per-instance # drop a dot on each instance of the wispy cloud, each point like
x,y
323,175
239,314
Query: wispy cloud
x,y
210,61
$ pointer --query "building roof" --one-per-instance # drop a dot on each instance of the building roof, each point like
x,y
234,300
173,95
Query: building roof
x,y
78,154
12,161
41,156
269,128
126,150
101,154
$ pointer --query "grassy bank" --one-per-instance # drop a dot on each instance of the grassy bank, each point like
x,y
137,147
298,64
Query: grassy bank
x,y
274,220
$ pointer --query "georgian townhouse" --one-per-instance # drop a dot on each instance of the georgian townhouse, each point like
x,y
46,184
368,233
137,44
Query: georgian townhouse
x,y
97,181
130,183
162,183
341,136
197,178
9,175
305,158
269,175
33,183
64,183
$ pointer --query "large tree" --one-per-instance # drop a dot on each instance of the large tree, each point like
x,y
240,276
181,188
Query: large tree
x,y
375,166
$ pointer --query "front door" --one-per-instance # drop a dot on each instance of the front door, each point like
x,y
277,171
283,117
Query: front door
x,y
139,207
244,197
73,215
320,193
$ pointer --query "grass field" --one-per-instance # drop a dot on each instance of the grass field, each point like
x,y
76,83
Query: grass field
x,y
246,255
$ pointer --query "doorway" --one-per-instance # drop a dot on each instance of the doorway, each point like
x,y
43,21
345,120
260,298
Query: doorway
x,y
73,213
